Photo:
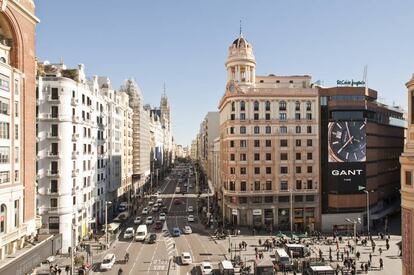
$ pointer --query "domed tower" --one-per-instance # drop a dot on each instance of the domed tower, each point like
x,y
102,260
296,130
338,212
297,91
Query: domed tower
x,y
241,63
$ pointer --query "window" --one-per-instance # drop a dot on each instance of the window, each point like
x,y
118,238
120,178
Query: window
x,y
256,129
256,143
283,143
256,116
308,106
283,129
232,186
309,129
268,170
297,106
54,167
268,130
308,116
268,156
256,156
284,199
309,184
53,202
267,116
4,176
298,198
4,82
54,130
282,116
257,170
283,170
268,199
283,156
298,142
54,148
233,107
282,106
242,200
242,106
298,184
268,143
16,131
232,157
16,86
267,105
231,130
298,169
16,155
54,111
297,116
243,186
408,178
3,220
243,143
309,169
256,199
298,129
55,94
298,156
16,109
242,170
283,185
257,185
309,156
4,106
54,223
53,186
309,142
231,143
310,198
232,116
243,157
4,130
256,106
242,116
4,155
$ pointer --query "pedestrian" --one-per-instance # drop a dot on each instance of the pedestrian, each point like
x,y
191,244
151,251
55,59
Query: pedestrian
x,y
380,251
358,255
337,255
381,264
366,267
370,257
342,256
260,242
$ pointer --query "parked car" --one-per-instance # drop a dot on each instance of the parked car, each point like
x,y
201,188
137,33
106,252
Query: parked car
x,y
190,209
176,232
137,220
158,225
149,220
206,268
190,218
129,233
145,211
164,209
155,209
108,261
187,229
162,216
186,258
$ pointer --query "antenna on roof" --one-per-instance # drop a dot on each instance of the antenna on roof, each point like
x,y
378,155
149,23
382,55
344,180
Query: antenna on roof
x,y
241,28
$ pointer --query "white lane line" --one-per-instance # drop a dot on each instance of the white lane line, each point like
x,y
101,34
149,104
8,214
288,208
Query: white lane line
x,y
152,259
140,250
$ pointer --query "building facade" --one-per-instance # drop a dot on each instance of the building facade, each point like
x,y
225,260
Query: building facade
x,y
269,133
17,125
407,190
361,141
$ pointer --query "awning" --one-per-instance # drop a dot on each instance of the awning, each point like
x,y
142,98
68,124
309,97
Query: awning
x,y
113,226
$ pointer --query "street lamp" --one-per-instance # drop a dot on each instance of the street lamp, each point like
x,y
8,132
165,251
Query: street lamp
x,y
366,192
291,211
106,223
354,222
73,233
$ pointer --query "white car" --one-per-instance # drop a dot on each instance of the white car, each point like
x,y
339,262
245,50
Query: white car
x,y
186,258
206,268
159,200
149,220
108,261
155,209
162,216
187,230
190,209
129,233
156,194
190,218
145,211
137,220
150,203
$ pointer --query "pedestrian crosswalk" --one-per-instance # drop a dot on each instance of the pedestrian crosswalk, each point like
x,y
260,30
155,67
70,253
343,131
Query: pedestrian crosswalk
x,y
159,265
169,241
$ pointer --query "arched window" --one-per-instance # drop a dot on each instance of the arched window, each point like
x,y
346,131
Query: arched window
x,y
282,106
233,106
2,59
256,105
3,218
308,106
242,106
297,106
267,105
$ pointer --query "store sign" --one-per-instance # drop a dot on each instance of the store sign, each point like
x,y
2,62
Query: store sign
x,y
234,212
257,212
350,83
346,172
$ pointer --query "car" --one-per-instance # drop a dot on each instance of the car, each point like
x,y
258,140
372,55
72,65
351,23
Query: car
x,y
185,184
137,220
129,233
142,232
177,201
108,261
176,232
156,194
206,268
158,225
155,209
162,216
190,209
187,230
150,203
186,258
152,238
159,200
164,209
190,218
122,206
149,220
145,211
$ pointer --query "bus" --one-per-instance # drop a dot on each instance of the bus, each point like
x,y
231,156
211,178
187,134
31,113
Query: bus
x,y
226,268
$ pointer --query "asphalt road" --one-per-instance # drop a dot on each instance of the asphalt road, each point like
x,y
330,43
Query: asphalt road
x,y
165,253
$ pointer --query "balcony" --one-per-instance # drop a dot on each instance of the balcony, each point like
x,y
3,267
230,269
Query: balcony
x,y
13,235
75,154
54,99
75,118
75,189
75,172
52,136
74,101
52,154
52,173
49,191
75,137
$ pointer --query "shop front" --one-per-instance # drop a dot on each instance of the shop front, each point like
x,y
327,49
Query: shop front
x,y
257,216
234,216
298,220
283,219
268,219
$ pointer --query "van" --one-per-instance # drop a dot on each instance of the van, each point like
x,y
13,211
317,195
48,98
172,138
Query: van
x,y
297,250
142,232
108,261
226,268
282,259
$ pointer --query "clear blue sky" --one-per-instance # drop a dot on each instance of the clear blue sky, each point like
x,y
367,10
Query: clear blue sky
x,y
184,43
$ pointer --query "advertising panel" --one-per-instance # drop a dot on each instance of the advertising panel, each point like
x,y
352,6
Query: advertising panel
x,y
346,156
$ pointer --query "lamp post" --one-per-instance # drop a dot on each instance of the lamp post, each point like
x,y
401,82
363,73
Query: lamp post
x,y
354,222
291,212
106,223
72,262
368,201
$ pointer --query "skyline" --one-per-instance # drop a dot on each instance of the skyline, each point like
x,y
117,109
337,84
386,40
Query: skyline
x,y
149,32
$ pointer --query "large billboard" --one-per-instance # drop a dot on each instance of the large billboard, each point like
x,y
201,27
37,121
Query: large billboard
x,y
346,156
347,141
